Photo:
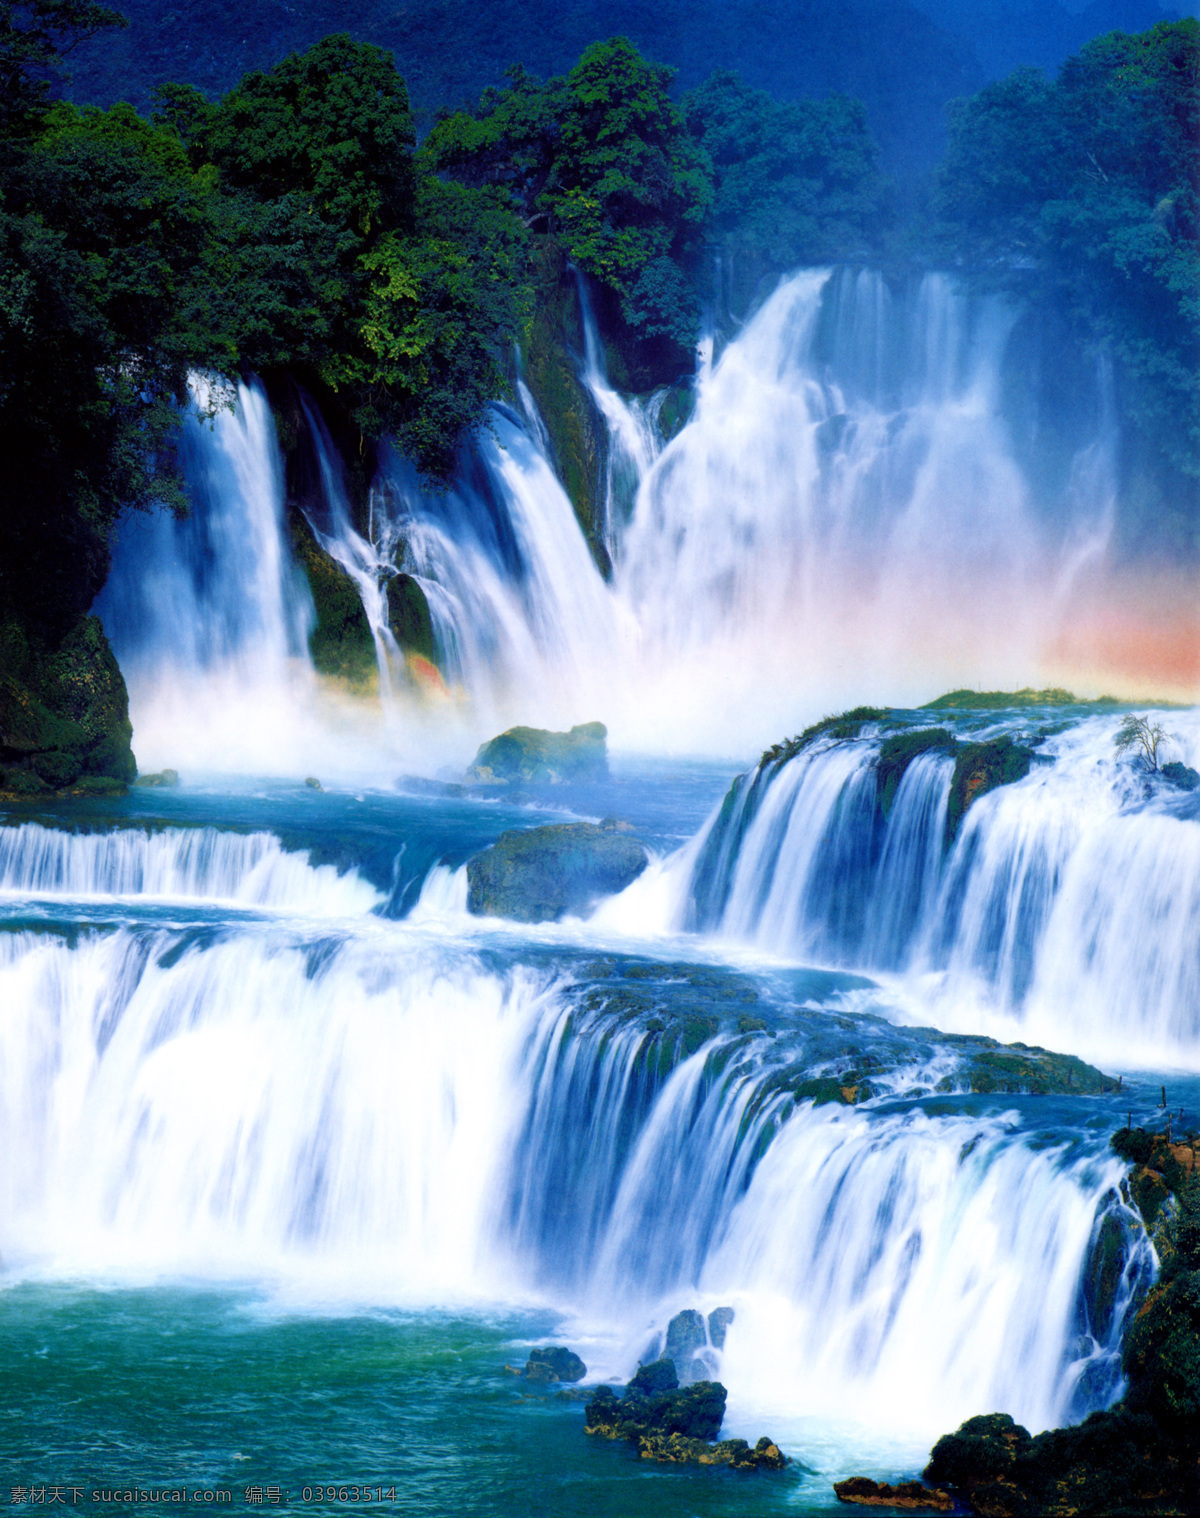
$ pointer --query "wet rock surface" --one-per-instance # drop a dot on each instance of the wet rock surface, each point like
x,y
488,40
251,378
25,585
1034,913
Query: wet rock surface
x,y
544,873
556,1364
665,1421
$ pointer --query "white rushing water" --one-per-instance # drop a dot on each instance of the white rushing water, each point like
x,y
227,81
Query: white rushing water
x,y
1067,910
177,864
383,1116
845,512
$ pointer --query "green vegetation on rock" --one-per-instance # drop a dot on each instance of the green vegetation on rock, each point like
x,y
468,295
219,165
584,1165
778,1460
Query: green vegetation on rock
x,y
64,713
980,768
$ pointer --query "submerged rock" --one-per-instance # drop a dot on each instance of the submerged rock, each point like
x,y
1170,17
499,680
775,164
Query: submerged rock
x,y
665,1421
554,1364
541,874
534,755
910,1495
675,1448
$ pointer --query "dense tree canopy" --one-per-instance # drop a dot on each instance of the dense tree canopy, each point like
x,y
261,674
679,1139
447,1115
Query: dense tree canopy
x,y
294,226
604,163
1085,192
795,182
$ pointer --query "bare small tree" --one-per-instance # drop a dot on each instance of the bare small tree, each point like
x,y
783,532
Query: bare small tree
x,y
1144,736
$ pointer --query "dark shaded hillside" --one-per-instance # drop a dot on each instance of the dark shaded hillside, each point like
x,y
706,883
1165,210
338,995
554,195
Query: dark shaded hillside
x,y
885,52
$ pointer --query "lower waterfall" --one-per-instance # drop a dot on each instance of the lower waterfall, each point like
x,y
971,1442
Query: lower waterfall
x,y
389,1112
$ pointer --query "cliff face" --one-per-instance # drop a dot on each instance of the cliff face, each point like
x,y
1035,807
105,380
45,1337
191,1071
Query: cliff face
x,y
64,713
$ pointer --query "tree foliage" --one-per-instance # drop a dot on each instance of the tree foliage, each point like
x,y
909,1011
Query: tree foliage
x,y
1085,192
795,182
603,162
1144,737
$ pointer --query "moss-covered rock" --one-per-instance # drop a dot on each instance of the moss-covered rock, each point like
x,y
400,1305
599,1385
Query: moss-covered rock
x,y
899,751
541,874
536,756
665,1421
64,712
341,643
837,729
980,768
409,617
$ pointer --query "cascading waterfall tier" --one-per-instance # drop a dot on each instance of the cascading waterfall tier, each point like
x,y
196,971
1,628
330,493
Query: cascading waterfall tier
x,y
176,864
1066,909
847,506
397,1114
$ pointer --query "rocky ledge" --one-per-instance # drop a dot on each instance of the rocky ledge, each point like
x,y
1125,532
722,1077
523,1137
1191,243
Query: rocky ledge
x,y
665,1421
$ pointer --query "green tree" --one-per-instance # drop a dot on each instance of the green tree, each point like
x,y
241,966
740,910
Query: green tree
x,y
101,235
1084,192
794,182
603,162
1144,736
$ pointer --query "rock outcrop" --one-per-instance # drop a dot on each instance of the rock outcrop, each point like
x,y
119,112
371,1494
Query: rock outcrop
x,y
536,756
64,714
665,1421
542,874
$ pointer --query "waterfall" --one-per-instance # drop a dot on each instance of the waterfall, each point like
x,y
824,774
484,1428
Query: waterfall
x,y
1066,910
209,615
521,617
204,864
395,1114
848,507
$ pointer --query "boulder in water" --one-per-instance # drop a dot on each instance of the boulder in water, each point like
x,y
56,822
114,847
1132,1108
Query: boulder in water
x,y
539,757
554,1364
685,1335
541,874
1182,775
672,1423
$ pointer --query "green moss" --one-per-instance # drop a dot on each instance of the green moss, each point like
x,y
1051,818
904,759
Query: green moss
x,y
980,768
340,643
64,710
898,752
676,410
409,617
838,729
553,335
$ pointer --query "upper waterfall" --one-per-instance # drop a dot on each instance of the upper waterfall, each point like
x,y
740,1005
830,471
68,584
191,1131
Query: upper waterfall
x,y
848,508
